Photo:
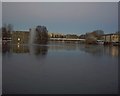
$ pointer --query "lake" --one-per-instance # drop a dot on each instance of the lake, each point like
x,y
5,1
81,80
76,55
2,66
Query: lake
x,y
60,68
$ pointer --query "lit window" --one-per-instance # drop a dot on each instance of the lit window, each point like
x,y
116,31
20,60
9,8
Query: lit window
x,y
18,39
18,45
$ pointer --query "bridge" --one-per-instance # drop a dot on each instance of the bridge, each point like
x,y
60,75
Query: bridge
x,y
66,39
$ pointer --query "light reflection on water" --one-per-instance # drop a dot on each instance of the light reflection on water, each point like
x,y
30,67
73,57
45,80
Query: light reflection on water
x,y
60,68
42,49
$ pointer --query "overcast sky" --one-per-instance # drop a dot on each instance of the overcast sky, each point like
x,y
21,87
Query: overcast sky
x,y
60,0
64,17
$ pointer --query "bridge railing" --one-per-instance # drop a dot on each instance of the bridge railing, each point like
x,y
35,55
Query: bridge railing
x,y
67,39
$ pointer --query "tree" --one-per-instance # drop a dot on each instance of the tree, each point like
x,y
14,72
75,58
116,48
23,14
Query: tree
x,y
6,31
72,36
41,35
92,37
98,34
82,36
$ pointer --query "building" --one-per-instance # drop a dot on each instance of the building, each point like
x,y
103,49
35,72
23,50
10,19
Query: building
x,y
55,35
20,37
25,37
111,37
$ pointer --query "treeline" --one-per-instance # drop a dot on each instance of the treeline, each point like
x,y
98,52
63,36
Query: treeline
x,y
42,36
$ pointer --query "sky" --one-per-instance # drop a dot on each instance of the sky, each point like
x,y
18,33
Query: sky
x,y
60,0
0,13
62,17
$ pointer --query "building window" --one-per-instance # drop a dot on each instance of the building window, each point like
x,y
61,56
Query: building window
x,y
18,39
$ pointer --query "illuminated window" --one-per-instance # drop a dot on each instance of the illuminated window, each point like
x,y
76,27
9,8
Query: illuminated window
x,y
18,45
18,39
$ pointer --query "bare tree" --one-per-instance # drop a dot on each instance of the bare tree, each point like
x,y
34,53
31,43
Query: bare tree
x,y
41,35
6,31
